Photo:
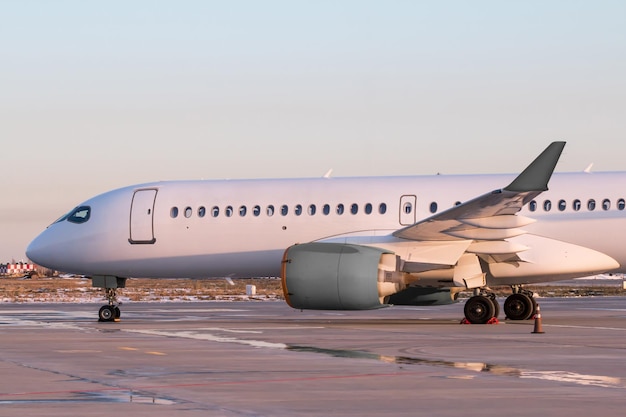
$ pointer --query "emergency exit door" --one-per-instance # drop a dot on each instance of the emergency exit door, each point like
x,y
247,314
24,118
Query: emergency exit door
x,y
141,217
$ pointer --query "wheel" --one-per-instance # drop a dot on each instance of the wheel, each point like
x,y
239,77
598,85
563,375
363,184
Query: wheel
x,y
106,313
479,309
534,312
496,307
519,307
118,312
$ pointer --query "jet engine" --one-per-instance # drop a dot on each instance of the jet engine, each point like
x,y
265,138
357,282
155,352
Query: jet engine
x,y
337,276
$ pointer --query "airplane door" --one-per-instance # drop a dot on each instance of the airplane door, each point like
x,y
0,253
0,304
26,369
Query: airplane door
x,y
407,209
141,214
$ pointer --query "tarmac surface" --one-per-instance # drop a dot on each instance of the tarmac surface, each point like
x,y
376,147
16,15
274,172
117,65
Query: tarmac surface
x,y
266,359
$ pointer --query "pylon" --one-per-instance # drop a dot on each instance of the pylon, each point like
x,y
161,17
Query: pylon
x,y
538,327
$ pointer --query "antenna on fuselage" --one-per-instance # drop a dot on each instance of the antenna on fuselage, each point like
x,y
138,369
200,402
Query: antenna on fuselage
x,y
328,173
588,169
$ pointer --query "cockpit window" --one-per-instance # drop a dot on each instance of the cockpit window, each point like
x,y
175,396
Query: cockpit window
x,y
79,214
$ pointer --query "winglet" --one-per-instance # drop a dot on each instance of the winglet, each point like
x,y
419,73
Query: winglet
x,y
536,176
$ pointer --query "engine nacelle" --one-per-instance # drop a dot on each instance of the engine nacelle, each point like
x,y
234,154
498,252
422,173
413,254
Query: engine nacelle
x,y
420,296
336,276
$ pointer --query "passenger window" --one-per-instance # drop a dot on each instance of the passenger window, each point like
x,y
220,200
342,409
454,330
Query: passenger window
x,y
326,209
621,204
201,211
284,210
591,205
340,209
79,215
215,211
174,212
532,206
270,211
562,205
576,205
547,205
229,211
407,208
188,212
458,203
298,210
606,204
243,210
368,208
382,208
312,210
433,207
354,208
256,211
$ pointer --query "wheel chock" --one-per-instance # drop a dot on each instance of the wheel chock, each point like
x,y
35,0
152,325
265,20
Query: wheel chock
x,y
493,320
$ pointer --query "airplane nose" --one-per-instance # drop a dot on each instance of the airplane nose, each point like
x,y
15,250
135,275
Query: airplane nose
x,y
34,251
41,251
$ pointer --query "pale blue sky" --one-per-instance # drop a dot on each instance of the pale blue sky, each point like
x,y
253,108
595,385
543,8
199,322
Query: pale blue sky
x,y
98,95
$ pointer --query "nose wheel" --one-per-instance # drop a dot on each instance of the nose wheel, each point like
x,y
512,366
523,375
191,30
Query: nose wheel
x,y
110,311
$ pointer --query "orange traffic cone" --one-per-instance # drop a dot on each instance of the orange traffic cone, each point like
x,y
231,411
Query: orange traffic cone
x,y
538,327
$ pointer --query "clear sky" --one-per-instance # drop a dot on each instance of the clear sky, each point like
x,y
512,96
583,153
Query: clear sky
x,y
99,95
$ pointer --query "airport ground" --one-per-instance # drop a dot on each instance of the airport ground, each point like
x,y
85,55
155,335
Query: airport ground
x,y
261,358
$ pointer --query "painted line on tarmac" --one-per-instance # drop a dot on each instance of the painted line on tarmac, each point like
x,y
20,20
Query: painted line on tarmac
x,y
571,326
209,337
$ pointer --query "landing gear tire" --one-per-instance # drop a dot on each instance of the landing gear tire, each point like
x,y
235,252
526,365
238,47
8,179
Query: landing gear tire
x,y
118,312
479,309
496,305
534,312
107,313
519,306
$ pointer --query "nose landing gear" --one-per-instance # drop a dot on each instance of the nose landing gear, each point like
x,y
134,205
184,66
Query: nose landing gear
x,y
109,313
110,284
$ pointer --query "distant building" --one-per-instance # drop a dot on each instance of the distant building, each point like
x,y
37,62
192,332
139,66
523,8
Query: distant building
x,y
16,268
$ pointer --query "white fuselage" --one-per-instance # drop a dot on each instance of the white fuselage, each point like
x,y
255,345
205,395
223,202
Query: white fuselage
x,y
218,230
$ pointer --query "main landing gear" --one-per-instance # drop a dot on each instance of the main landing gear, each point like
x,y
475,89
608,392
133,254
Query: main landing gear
x,y
110,284
483,306
520,305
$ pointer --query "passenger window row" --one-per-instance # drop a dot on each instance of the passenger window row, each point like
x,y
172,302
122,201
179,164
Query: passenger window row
x,y
577,205
354,208
284,210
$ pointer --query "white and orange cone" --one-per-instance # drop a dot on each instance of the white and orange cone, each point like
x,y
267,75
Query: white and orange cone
x,y
538,328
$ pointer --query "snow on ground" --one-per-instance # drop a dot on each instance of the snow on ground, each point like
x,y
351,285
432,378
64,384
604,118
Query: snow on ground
x,y
79,290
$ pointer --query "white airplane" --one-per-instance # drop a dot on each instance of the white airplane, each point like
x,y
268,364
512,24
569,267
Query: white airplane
x,y
354,243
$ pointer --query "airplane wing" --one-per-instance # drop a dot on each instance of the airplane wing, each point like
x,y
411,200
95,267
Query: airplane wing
x,y
492,216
